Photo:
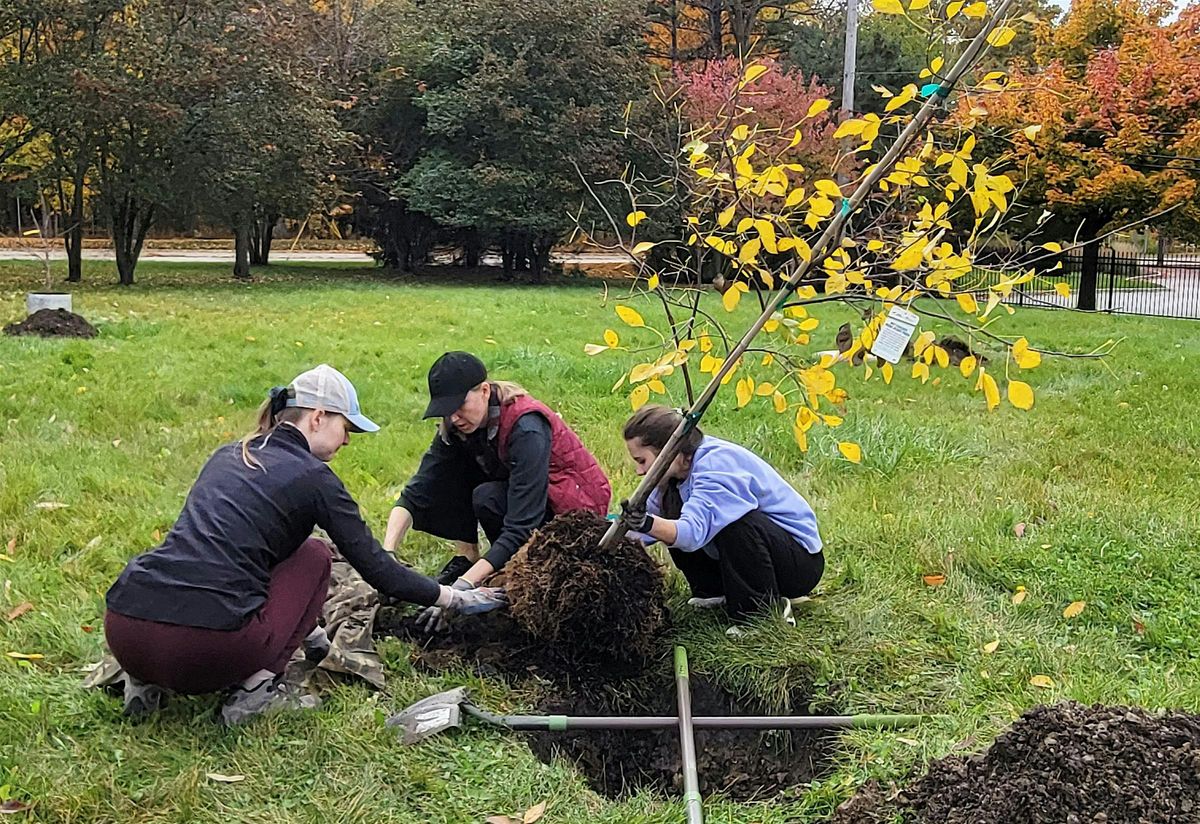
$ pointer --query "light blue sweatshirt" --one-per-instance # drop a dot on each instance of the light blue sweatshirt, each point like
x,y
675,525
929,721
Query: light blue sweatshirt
x,y
725,482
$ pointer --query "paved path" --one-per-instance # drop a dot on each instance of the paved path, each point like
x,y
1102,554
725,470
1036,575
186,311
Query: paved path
x,y
284,256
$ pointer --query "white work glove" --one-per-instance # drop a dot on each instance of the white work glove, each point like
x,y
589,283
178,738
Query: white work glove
x,y
464,598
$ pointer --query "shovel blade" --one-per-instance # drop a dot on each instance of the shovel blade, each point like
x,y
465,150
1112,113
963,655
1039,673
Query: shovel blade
x,y
429,716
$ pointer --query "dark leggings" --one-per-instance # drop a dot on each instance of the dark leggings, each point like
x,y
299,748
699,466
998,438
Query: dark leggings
x,y
757,562
194,660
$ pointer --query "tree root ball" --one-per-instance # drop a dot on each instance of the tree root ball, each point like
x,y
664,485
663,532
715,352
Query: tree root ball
x,y
591,605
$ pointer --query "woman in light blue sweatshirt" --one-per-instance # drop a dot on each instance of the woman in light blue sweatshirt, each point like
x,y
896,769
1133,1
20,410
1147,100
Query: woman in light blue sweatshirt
x,y
739,533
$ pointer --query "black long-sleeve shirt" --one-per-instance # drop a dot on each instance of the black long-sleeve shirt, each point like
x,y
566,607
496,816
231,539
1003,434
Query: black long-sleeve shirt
x,y
526,473
238,522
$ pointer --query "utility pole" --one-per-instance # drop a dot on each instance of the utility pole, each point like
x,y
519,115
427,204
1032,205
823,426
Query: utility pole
x,y
849,59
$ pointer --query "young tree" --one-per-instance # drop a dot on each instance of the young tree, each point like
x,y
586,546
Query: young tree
x,y
781,228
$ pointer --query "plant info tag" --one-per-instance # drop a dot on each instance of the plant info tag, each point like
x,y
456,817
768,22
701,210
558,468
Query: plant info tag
x,y
895,334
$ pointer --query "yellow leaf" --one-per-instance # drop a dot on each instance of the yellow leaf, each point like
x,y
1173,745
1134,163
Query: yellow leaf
x,y
753,72
922,342
1020,395
991,392
732,295
749,251
967,366
976,9
920,370
1031,131
594,348
706,343
1025,357
634,218
850,451
809,324
1019,596
1074,608
639,396
643,247
917,5
954,9
936,65
828,188
817,107
966,302
765,388
1063,289
225,779
888,6
766,233
848,128
620,382
910,258
943,357
801,438
26,656
887,370
652,282
534,813
740,132
832,421
611,339
657,386
1044,682
780,402
991,646
745,391
1052,246
640,372
630,316
726,217
999,37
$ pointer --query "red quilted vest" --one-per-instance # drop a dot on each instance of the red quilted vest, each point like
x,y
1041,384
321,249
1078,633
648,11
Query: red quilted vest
x,y
576,480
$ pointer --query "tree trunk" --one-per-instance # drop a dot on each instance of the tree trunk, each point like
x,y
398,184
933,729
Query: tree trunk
x,y
521,252
471,249
130,222
74,235
1162,249
262,233
539,257
506,255
1089,267
242,231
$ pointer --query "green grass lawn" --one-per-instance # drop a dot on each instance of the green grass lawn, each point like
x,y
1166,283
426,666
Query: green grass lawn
x,y
1102,473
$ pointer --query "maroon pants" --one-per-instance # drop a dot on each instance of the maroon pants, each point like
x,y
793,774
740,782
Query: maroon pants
x,y
193,660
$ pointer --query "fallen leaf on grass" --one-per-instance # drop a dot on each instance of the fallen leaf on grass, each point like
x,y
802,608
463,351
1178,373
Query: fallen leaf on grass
x,y
534,813
1074,608
934,580
1019,595
19,610
500,819
50,505
12,807
1139,627
1019,530
226,779
909,741
25,656
12,545
1042,681
991,646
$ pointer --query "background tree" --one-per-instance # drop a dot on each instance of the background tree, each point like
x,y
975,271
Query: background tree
x,y
1118,106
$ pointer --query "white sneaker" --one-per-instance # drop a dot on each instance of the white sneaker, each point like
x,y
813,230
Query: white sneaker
x,y
788,618
142,699
707,603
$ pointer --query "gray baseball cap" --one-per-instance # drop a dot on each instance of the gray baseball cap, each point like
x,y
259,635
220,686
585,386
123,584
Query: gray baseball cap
x,y
323,387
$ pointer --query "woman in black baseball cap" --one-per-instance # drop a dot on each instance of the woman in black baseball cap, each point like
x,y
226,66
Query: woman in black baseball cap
x,y
501,460
238,583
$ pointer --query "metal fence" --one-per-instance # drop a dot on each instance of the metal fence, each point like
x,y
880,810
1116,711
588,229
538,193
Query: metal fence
x,y
1166,286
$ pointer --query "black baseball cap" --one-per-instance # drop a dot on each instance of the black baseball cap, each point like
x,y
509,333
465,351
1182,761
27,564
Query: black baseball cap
x,y
451,377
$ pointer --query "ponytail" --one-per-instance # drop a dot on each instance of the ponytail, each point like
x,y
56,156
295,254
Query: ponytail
x,y
272,412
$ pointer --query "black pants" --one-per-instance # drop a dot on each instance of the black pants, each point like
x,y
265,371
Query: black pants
x,y
758,562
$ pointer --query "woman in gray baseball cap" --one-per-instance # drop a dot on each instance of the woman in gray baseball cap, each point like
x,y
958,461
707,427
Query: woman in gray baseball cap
x,y
238,584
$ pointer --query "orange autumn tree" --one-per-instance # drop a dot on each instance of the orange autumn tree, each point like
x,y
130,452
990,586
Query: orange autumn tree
x,y
754,218
1117,124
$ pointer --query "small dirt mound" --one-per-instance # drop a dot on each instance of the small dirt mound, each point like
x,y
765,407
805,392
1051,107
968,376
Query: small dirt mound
x,y
1063,763
594,606
743,765
53,323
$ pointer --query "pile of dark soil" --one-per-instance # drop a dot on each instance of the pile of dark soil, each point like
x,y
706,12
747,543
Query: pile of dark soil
x,y
594,606
1064,763
743,765
53,323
